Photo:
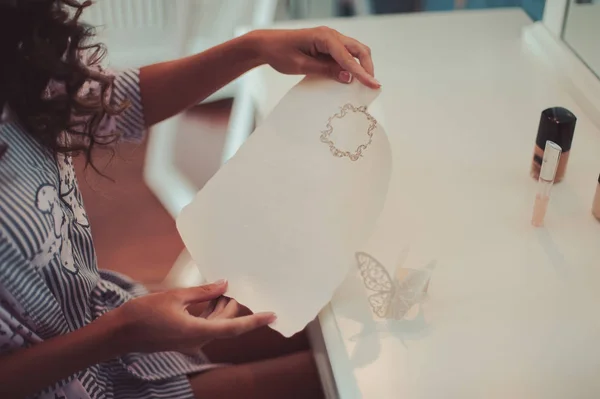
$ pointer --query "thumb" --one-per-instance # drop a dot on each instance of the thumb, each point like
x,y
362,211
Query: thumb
x,y
202,293
325,67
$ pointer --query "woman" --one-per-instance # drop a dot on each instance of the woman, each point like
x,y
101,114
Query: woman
x,y
67,329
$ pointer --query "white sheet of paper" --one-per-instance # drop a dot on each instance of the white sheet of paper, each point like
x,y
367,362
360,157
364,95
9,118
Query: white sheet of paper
x,y
281,220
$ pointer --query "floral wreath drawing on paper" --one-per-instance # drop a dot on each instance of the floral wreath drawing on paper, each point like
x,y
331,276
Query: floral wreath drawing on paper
x,y
326,134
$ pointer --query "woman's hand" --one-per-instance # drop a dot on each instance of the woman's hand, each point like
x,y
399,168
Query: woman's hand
x,y
156,322
161,322
321,51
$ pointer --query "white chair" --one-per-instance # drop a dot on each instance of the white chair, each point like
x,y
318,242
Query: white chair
x,y
307,9
171,186
140,32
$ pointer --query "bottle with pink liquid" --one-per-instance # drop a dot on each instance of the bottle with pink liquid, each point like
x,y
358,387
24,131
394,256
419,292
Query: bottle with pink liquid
x,y
548,168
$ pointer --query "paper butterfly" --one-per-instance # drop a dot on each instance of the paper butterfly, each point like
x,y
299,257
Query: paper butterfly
x,y
393,297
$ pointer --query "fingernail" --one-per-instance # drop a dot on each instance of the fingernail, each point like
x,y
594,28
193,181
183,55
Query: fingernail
x,y
376,82
272,318
220,282
345,77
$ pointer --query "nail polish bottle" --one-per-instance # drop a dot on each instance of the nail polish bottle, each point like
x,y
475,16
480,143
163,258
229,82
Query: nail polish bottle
x,y
596,203
557,124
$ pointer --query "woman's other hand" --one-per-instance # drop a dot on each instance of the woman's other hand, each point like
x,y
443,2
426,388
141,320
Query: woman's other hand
x,y
321,51
161,322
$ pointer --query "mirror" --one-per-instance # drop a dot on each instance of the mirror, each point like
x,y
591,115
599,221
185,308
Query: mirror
x,y
582,31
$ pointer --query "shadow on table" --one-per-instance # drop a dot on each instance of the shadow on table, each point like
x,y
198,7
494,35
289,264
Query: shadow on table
x,y
352,304
555,256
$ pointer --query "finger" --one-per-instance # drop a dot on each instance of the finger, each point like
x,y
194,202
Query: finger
x,y
324,67
221,303
231,310
227,328
360,51
201,293
342,56
209,309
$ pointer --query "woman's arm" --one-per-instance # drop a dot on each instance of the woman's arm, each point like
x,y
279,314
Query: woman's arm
x,y
152,323
170,87
27,371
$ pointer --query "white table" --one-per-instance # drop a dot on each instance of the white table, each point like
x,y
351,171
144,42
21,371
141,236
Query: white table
x,y
510,307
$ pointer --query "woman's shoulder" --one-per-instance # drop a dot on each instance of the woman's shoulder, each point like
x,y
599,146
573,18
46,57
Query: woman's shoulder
x,y
23,150
28,178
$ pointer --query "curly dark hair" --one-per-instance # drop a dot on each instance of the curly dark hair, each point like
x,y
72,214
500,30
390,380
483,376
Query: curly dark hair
x,y
43,40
